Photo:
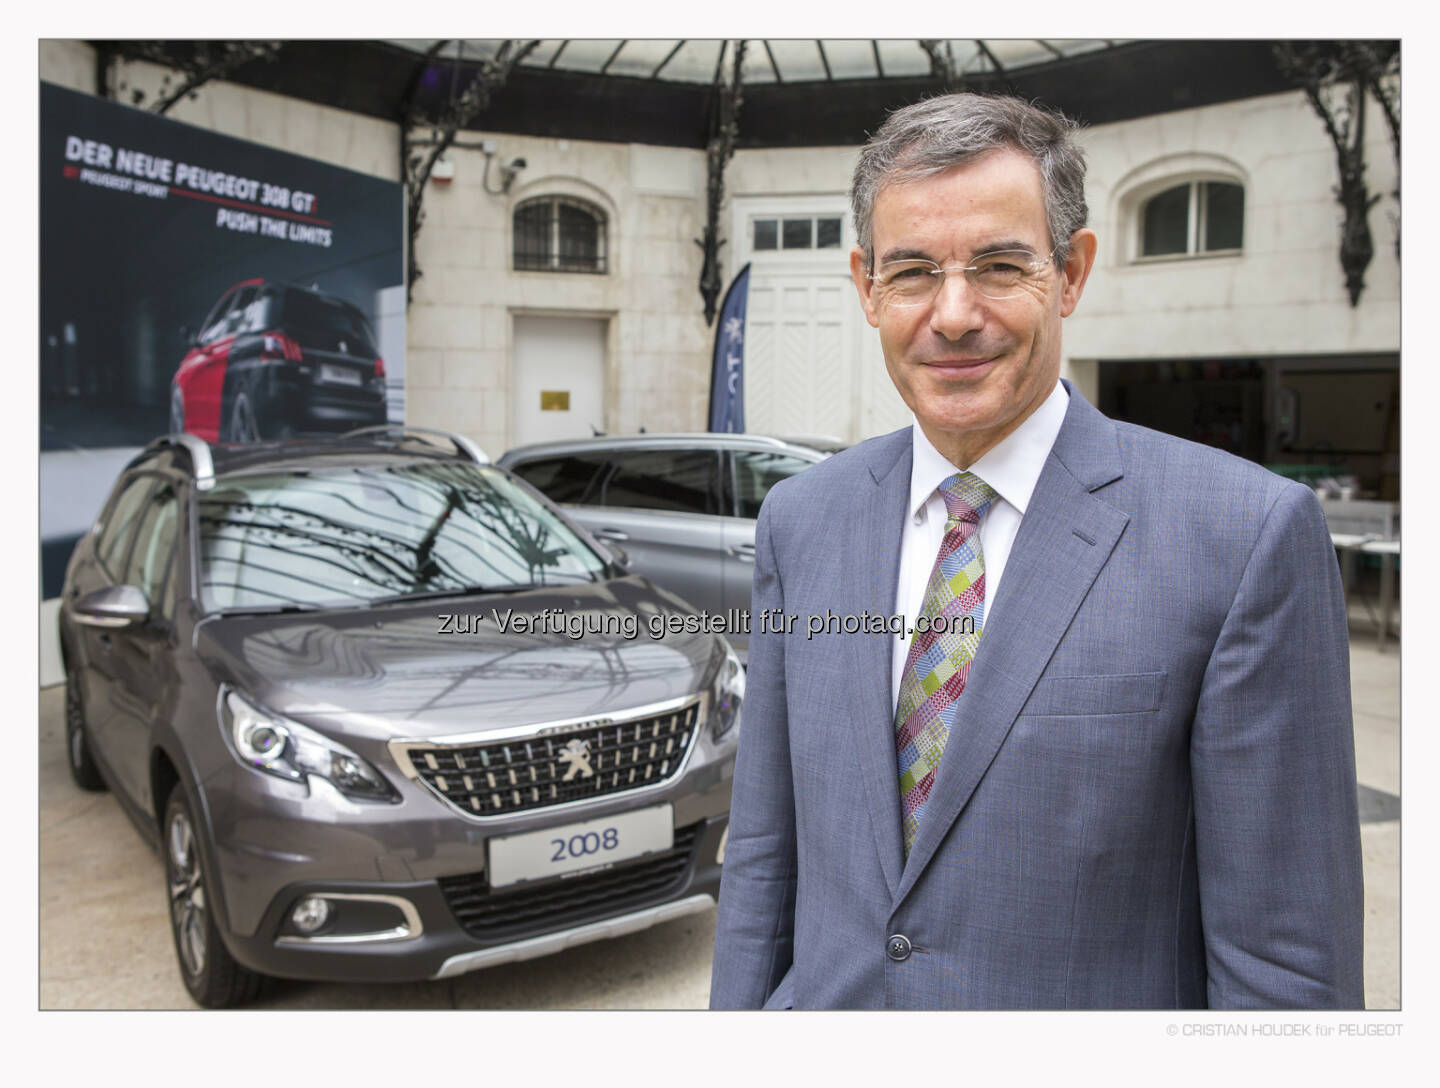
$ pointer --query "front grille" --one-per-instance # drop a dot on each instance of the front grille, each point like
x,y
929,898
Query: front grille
x,y
499,915
497,778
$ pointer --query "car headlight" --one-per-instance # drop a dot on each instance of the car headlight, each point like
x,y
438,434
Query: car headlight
x,y
727,692
287,749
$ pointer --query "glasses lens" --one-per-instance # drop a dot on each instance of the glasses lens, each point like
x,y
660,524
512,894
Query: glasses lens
x,y
993,275
908,283
998,275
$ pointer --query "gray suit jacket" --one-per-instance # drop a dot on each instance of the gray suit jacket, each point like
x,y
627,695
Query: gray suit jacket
x,y
1150,801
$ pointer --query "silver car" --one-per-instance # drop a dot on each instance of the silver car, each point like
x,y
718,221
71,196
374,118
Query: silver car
x,y
682,506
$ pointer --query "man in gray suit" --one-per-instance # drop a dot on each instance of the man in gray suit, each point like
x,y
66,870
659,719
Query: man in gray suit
x,y
1114,766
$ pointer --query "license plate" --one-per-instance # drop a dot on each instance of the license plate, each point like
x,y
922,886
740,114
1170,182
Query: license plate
x,y
342,374
569,848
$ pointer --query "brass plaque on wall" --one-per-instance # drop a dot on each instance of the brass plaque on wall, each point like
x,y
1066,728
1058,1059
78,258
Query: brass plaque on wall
x,y
554,400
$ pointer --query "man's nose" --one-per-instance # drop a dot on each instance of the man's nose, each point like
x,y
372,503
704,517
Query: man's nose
x,y
957,307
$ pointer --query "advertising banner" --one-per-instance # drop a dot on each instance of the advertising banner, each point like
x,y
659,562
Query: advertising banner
x,y
727,370
192,281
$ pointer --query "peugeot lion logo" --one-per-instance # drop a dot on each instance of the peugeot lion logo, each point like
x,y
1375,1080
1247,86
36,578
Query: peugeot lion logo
x,y
344,347
577,755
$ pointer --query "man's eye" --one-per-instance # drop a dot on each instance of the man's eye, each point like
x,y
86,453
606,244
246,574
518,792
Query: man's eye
x,y
909,273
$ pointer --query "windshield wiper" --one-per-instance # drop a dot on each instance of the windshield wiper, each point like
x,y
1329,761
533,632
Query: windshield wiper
x,y
265,609
453,591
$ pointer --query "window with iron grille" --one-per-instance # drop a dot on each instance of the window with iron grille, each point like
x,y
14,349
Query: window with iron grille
x,y
559,234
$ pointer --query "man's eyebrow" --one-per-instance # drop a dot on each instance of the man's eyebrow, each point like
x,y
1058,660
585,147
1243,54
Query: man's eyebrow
x,y
907,253
903,253
1001,247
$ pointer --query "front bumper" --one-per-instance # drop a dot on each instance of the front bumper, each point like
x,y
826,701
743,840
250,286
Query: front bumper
x,y
623,899
415,872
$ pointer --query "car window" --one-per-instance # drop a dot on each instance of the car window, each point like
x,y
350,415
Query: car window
x,y
563,479
756,472
678,479
256,313
236,317
149,560
120,524
352,535
215,320
323,323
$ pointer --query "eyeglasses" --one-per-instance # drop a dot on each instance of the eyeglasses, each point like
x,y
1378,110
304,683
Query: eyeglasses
x,y
997,276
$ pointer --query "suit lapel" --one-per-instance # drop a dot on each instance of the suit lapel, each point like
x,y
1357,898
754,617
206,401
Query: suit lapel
x,y
1065,538
874,540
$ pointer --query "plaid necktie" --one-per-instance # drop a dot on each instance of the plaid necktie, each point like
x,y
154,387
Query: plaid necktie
x,y
939,659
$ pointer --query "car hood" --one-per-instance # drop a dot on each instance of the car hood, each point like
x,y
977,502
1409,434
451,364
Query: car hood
x,y
462,665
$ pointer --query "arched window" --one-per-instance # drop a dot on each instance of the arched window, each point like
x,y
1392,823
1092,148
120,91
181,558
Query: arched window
x,y
559,234
1193,218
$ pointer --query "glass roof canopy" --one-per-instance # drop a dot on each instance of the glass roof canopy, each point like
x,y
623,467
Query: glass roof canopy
x,y
769,60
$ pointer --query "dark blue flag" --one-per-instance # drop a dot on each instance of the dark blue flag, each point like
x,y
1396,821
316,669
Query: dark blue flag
x,y
727,376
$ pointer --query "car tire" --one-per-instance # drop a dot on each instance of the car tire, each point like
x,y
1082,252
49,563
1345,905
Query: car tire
x,y
83,767
177,410
214,978
241,426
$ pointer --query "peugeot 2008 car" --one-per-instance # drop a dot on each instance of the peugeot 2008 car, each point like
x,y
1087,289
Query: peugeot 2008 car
x,y
274,360
386,714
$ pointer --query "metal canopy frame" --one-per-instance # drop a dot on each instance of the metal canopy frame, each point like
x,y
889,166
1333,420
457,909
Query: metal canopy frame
x,y
785,60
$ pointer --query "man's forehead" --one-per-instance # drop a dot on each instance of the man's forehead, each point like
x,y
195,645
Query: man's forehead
x,y
995,201
985,167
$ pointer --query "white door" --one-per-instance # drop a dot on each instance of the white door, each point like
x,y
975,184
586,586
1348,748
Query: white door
x,y
559,379
812,364
798,363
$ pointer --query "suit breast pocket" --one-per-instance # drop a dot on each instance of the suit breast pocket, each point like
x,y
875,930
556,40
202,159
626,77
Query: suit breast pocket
x,y
1096,696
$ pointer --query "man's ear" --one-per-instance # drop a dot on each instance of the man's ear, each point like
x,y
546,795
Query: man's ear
x,y
863,285
1083,245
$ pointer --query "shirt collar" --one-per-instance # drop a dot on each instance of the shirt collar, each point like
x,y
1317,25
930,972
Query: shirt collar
x,y
1012,468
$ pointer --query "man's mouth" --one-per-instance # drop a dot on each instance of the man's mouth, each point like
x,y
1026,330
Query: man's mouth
x,y
959,365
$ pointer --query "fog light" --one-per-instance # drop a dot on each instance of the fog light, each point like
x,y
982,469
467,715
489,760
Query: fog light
x,y
310,914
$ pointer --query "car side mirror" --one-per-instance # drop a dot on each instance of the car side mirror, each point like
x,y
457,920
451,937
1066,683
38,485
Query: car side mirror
x,y
113,606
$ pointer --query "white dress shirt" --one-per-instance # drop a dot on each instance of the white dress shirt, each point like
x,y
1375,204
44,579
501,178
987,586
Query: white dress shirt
x,y
1012,468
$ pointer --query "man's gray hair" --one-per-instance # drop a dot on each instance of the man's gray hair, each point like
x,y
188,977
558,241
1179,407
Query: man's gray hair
x,y
936,134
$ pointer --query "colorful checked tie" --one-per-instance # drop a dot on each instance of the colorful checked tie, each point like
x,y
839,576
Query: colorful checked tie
x,y
939,659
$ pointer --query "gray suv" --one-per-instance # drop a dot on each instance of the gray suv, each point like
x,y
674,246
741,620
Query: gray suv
x,y
386,714
683,506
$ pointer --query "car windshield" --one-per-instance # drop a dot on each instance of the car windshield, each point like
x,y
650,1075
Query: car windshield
x,y
361,534
324,323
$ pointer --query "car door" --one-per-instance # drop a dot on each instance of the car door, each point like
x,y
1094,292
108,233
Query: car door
x,y
143,653
201,376
662,505
749,476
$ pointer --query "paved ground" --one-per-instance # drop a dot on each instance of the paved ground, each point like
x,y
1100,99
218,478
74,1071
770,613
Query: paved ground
x,y
105,942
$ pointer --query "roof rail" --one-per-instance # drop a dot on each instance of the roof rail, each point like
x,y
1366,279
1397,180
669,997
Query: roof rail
x,y
462,444
199,451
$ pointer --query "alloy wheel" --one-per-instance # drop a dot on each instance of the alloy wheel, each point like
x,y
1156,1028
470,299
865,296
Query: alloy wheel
x,y
187,894
242,421
83,768
74,726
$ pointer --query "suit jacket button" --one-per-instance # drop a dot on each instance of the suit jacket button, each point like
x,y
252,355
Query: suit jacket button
x,y
897,947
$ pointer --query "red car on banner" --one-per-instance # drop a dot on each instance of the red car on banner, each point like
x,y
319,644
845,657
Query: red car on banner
x,y
275,360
